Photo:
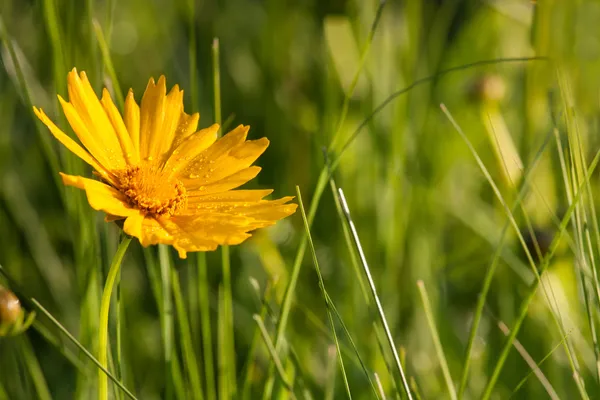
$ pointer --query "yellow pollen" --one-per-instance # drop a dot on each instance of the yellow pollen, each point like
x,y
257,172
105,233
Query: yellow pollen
x,y
152,191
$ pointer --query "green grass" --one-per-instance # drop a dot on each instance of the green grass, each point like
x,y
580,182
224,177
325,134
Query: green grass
x,y
468,270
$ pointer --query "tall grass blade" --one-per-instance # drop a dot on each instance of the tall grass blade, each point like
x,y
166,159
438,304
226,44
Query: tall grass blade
x,y
323,293
378,305
439,349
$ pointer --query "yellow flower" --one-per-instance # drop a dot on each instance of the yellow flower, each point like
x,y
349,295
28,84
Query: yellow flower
x,y
169,183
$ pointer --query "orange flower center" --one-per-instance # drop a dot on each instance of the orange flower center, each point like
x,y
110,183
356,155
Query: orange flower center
x,y
152,191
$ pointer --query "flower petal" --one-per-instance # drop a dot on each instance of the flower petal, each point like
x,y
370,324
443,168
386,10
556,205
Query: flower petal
x,y
194,144
72,146
181,234
101,196
131,155
132,121
89,120
198,187
232,195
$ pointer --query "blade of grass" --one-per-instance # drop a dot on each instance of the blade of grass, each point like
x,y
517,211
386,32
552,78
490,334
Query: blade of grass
x,y
291,286
251,365
189,356
489,275
581,220
229,364
107,60
115,267
207,347
323,293
531,362
330,368
439,349
35,370
537,365
222,375
323,179
378,305
533,288
570,188
274,356
166,317
81,347
353,345
43,137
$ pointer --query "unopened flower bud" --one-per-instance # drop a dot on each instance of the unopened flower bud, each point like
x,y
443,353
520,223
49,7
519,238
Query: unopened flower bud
x,y
10,307
488,88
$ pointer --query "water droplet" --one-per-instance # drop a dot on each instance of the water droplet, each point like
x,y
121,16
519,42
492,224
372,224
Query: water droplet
x,y
194,176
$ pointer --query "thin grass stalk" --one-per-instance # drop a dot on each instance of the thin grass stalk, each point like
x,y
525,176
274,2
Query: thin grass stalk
x,y
113,272
251,365
361,64
193,54
34,369
330,369
92,48
205,322
378,305
274,356
108,64
120,315
222,375
537,365
229,337
533,288
324,294
353,345
178,385
489,275
578,157
56,42
192,281
166,319
187,347
570,183
81,347
379,335
531,362
321,184
43,137
437,343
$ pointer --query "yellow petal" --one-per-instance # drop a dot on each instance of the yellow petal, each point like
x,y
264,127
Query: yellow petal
x,y
101,196
180,235
194,144
72,146
201,160
224,158
131,156
197,187
186,127
173,111
98,133
132,121
232,195
152,115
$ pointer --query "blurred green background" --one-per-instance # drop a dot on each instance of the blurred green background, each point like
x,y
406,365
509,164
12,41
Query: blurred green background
x,y
422,206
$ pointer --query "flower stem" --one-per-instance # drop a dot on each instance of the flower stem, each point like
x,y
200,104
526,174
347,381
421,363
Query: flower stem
x,y
115,267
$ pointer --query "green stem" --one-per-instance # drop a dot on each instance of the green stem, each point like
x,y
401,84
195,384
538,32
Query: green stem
x,y
203,302
167,317
115,267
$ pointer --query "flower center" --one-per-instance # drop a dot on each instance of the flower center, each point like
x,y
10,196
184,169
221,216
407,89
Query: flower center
x,y
150,190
